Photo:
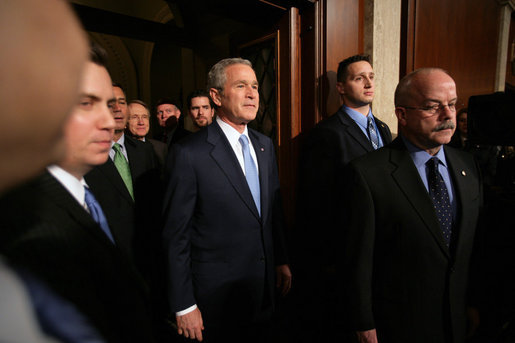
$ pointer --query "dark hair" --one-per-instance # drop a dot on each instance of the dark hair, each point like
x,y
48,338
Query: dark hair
x,y
200,93
167,100
116,84
343,66
97,54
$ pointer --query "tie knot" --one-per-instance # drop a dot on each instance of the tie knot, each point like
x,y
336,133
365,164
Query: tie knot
x,y
369,119
432,163
89,198
244,141
117,147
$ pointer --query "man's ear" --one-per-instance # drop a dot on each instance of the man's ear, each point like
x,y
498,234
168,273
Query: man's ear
x,y
401,114
339,88
215,95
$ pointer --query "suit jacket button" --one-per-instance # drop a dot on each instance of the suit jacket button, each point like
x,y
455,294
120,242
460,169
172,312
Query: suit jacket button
x,y
262,259
453,270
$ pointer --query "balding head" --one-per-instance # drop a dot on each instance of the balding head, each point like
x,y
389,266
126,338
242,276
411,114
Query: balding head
x,y
425,105
44,52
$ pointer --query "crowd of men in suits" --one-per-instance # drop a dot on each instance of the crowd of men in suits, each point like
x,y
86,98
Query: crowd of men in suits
x,y
121,238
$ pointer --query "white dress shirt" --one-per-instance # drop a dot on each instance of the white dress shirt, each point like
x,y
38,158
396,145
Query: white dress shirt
x,y
71,183
233,137
112,152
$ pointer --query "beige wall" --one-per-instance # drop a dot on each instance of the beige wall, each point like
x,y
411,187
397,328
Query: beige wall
x,y
382,42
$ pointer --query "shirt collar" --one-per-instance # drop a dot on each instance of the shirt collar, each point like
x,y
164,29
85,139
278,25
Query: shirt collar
x,y
230,132
419,156
120,141
70,182
358,117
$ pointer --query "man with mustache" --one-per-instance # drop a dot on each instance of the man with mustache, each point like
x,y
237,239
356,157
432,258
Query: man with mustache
x,y
412,210
200,108
223,219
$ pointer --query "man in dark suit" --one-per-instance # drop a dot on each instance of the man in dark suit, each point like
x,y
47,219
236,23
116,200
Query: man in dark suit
x,y
139,125
411,214
127,184
128,187
224,220
28,146
54,229
328,148
168,115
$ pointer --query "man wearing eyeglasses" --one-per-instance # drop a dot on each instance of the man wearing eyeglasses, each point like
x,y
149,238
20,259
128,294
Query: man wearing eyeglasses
x,y
412,213
127,185
139,125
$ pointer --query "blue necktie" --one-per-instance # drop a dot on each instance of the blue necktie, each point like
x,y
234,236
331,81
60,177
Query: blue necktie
x,y
251,172
96,212
372,134
440,197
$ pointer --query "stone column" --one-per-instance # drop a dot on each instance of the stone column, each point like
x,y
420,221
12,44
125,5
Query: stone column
x,y
382,39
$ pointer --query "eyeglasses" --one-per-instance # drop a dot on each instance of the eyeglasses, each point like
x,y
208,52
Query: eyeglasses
x,y
433,109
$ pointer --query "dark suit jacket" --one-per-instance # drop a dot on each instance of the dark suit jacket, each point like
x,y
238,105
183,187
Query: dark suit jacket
x,y
401,277
174,137
160,149
329,147
221,253
135,224
45,230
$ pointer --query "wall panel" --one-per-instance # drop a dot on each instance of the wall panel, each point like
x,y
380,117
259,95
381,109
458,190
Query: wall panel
x,y
461,37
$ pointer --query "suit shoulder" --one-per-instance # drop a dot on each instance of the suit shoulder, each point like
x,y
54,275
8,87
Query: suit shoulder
x,y
372,160
259,135
329,123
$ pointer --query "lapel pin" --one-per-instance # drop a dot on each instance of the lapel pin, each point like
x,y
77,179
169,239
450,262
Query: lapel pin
x,y
262,149
463,173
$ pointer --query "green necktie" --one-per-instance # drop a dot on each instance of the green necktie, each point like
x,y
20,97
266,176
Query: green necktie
x,y
123,168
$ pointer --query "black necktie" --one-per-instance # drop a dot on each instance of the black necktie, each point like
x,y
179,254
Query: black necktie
x,y
440,196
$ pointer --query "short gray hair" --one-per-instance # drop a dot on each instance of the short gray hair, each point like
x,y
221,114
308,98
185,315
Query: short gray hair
x,y
216,77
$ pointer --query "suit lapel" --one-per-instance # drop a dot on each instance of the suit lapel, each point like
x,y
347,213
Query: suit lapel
x,y
223,154
464,190
111,173
408,180
62,198
133,156
261,153
354,131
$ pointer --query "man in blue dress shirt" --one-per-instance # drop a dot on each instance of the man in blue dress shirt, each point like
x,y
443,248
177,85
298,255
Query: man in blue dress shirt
x,y
411,215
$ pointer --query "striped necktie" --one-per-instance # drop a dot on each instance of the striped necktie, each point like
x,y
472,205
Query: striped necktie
x,y
372,133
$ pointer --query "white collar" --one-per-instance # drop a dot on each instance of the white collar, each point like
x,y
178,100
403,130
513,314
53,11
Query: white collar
x,y
70,182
